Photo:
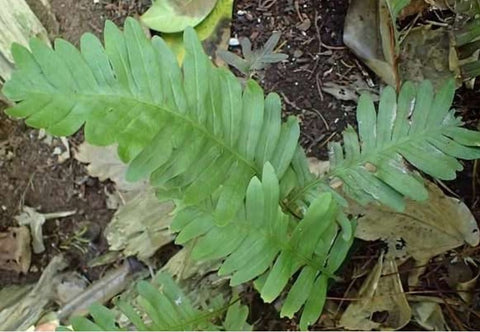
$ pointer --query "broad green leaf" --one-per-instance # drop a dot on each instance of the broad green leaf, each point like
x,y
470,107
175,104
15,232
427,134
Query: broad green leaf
x,y
213,31
176,15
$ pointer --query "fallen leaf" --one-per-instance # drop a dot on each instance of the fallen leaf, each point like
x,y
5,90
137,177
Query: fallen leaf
x,y
141,226
104,164
213,31
423,230
425,55
15,253
380,295
367,38
351,91
429,316
175,15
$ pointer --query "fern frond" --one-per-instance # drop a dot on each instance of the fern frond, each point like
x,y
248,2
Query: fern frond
x,y
164,308
179,125
418,129
201,138
267,245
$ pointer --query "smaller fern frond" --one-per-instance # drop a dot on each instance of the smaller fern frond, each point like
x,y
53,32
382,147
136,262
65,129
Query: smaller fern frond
x,y
266,245
418,129
164,308
254,59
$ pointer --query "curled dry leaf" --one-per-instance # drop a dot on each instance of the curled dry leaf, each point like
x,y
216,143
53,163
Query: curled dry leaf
x,y
367,33
423,230
381,293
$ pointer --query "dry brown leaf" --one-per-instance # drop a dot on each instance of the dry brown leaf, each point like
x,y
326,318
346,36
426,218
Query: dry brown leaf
x,y
15,254
103,163
381,293
423,230
365,33
141,226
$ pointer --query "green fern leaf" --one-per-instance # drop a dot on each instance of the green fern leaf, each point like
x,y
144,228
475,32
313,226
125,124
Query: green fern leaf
x,y
266,243
418,128
194,130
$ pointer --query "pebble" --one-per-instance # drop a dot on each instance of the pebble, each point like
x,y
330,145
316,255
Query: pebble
x,y
234,42
297,53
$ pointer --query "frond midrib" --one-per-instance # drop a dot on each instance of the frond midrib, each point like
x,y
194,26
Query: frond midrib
x,y
368,157
181,117
387,150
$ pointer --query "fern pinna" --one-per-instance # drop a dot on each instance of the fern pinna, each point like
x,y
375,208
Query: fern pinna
x,y
220,151
163,306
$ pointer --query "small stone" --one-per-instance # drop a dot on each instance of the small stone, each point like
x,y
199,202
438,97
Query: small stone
x,y
297,53
305,25
234,42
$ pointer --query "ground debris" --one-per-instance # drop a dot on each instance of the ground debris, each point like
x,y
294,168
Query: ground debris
x,y
15,254
35,220
381,295
26,312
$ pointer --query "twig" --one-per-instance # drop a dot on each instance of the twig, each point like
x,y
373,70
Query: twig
x,y
318,82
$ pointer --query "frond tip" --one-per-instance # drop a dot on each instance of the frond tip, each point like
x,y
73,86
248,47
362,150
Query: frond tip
x,y
416,129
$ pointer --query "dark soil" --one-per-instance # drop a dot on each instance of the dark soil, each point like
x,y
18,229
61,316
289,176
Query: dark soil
x,y
30,175
317,55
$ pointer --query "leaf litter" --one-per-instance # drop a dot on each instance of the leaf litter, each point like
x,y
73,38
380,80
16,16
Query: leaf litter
x,y
423,231
140,226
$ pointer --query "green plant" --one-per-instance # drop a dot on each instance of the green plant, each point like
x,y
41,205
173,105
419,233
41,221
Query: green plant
x,y
164,308
254,60
237,175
